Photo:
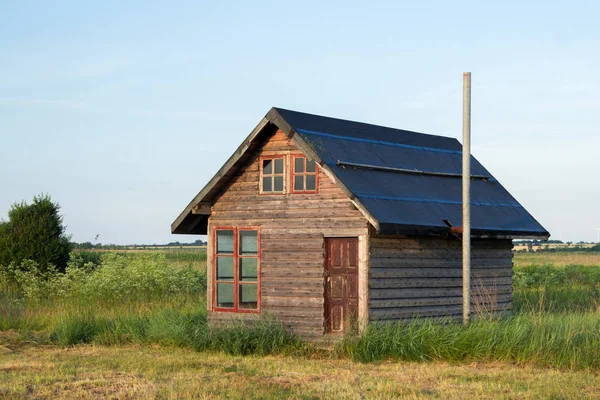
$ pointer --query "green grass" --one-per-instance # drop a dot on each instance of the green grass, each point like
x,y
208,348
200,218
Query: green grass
x,y
172,327
548,288
552,299
147,299
536,275
190,256
125,286
569,341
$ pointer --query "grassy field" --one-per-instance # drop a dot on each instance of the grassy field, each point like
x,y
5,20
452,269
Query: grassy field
x,y
556,259
92,372
134,325
554,246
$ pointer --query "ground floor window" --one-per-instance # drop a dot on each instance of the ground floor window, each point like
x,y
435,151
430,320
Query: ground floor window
x,y
237,269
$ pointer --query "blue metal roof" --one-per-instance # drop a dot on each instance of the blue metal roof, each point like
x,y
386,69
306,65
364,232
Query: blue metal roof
x,y
411,182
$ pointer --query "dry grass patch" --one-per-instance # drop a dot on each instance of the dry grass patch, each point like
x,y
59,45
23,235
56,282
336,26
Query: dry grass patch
x,y
558,259
91,372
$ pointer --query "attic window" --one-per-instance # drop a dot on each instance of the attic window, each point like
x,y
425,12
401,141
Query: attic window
x,y
304,176
272,175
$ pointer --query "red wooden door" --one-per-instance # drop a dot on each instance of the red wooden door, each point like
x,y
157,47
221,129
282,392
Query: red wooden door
x,y
341,283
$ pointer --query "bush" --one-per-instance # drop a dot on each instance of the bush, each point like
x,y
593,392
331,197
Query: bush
x,y
87,256
140,276
118,278
34,232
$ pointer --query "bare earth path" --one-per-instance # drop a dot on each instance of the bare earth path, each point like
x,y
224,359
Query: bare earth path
x,y
154,372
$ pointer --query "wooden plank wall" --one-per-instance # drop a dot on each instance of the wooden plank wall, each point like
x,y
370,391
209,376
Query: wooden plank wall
x,y
423,277
292,230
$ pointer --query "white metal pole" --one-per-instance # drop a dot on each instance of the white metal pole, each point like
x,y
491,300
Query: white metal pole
x,y
466,195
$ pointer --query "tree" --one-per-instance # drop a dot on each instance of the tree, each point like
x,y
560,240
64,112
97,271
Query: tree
x,y
34,232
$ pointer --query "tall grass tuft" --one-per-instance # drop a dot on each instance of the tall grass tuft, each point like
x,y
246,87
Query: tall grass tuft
x,y
78,329
259,337
564,341
177,328
173,327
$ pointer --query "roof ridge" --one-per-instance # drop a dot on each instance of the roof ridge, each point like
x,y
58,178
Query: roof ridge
x,y
382,142
351,121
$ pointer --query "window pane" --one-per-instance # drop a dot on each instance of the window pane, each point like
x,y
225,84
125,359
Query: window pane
x,y
311,166
225,295
267,184
248,242
248,269
248,297
298,164
278,165
267,166
311,182
299,182
224,242
225,268
278,184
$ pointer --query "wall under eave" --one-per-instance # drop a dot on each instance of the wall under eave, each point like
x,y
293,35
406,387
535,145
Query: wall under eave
x,y
422,277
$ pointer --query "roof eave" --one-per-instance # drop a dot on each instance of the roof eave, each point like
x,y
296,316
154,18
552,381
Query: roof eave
x,y
422,230
239,152
195,217
272,117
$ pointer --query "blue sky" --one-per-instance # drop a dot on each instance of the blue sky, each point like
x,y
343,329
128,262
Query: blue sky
x,y
122,111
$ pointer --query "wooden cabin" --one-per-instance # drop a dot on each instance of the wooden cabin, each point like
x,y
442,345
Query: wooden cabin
x,y
321,222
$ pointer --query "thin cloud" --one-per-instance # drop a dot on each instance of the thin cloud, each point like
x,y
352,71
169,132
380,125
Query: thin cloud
x,y
44,103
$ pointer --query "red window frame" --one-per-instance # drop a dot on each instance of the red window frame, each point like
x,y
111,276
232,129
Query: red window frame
x,y
304,174
283,175
236,283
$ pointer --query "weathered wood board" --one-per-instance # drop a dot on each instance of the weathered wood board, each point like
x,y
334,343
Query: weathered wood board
x,y
293,227
422,277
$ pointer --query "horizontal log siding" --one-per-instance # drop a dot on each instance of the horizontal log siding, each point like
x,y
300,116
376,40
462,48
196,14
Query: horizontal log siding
x,y
292,231
423,277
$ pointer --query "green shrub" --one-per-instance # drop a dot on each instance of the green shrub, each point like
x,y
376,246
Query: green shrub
x,y
138,276
87,256
34,232
118,278
35,283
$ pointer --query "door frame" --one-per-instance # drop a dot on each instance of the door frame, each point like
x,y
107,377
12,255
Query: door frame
x,y
362,282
